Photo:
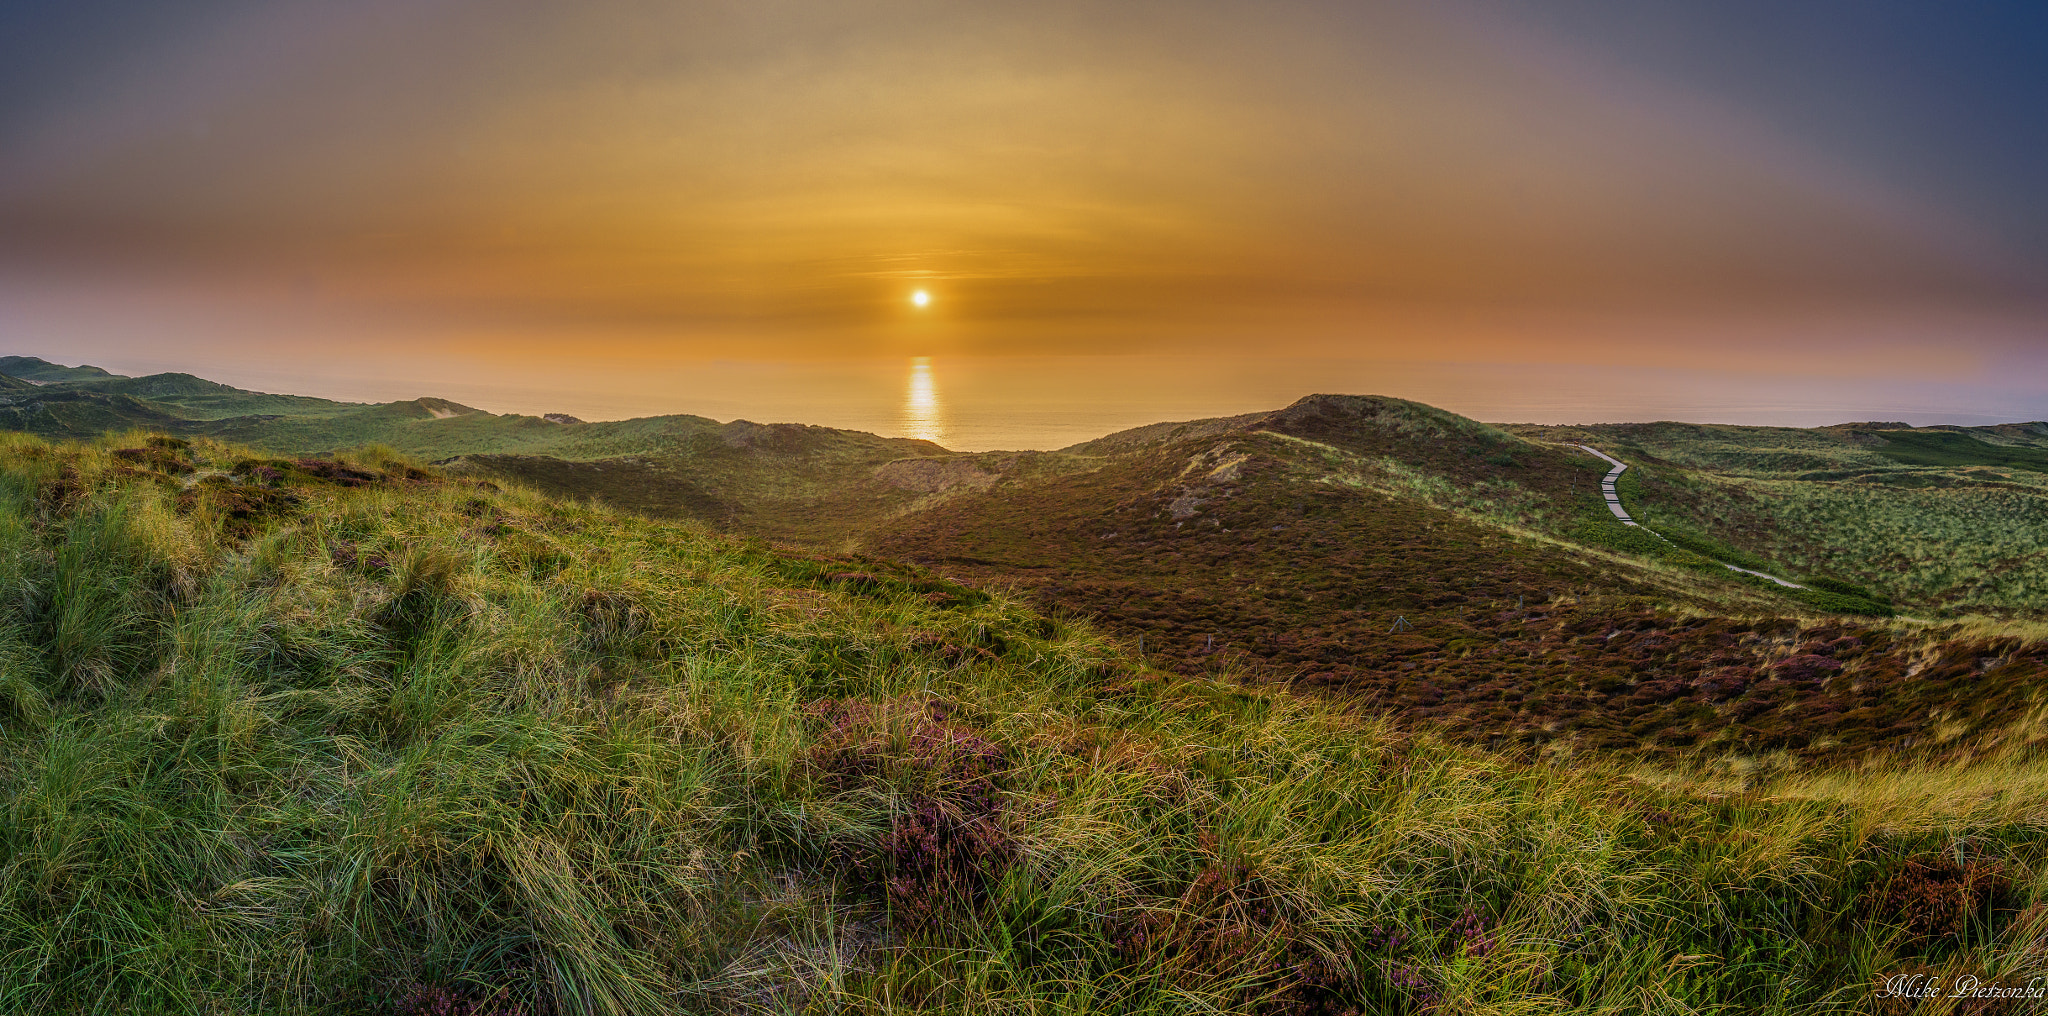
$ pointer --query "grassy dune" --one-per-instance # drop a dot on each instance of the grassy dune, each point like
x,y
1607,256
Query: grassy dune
x,y
348,736
1312,564
1942,521
1936,522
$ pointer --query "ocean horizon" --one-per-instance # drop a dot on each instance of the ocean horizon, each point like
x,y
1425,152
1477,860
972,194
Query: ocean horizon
x,y
984,403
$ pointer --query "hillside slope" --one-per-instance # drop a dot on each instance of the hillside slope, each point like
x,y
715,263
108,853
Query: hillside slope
x,y
1441,600
1937,521
35,368
173,394
1944,520
199,399
350,736
57,412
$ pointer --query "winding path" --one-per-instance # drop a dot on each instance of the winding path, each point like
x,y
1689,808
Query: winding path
x,y
1614,505
1607,487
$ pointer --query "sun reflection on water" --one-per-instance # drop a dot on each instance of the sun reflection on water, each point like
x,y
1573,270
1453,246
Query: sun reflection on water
x,y
923,412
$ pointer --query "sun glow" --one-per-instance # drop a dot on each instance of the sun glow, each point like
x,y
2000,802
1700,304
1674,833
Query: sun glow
x,y
923,412
921,298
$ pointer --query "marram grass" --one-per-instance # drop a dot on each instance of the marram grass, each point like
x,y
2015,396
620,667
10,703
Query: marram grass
x,y
347,737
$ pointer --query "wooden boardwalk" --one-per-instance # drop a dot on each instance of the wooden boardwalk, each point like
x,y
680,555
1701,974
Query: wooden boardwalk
x,y
1607,485
1614,505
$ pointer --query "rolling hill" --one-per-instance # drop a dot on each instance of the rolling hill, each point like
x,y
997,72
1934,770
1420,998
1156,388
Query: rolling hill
x,y
1292,544
353,735
1355,706
52,411
41,371
1423,566
1450,573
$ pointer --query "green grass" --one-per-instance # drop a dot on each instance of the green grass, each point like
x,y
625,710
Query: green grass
x,y
1919,448
1933,522
1939,521
339,745
38,369
1966,547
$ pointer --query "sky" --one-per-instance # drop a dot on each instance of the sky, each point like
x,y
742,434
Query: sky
x,y
1585,209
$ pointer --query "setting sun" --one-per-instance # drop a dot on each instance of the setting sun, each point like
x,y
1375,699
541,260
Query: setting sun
x,y
921,298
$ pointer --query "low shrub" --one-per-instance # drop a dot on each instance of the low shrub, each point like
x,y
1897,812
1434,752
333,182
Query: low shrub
x,y
1935,900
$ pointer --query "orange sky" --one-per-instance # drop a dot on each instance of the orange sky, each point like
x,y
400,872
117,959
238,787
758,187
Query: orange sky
x,y
632,180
